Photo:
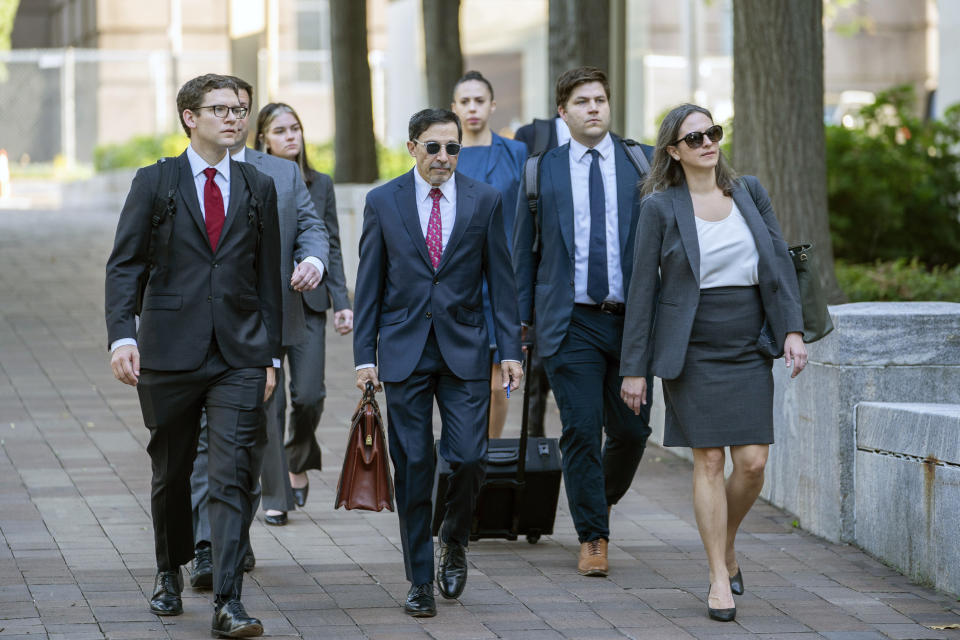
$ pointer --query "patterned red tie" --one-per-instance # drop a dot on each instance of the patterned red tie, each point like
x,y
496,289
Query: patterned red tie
x,y
434,229
213,207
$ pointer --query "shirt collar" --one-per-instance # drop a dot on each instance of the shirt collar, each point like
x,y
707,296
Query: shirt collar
x,y
605,147
448,188
198,164
240,156
563,131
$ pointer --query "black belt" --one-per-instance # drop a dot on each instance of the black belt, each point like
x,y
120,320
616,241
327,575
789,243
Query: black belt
x,y
608,307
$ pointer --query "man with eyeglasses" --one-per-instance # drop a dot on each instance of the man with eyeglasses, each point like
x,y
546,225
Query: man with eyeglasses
x,y
429,237
573,261
198,241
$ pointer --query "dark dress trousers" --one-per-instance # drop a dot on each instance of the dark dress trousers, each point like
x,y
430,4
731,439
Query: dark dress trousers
x,y
424,328
581,346
307,358
302,234
210,325
667,239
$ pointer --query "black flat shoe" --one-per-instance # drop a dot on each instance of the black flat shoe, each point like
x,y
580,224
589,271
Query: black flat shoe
x,y
278,520
452,570
720,615
201,571
230,620
420,602
736,583
249,561
300,494
167,587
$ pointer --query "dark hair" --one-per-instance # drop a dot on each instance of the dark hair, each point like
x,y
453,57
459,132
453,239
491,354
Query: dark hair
x,y
244,85
192,92
421,121
474,75
573,78
667,172
267,115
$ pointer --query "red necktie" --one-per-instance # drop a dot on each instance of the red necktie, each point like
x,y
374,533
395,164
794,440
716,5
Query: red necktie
x,y
213,207
434,229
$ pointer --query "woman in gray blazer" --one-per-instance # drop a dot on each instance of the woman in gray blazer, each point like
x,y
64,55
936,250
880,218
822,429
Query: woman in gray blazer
x,y
725,304
280,133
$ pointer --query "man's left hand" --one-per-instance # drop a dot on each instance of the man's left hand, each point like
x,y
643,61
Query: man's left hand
x,y
306,277
511,373
271,383
343,321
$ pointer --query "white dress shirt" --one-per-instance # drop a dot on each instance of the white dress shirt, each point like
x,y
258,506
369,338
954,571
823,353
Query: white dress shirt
x,y
563,132
580,161
728,252
241,156
448,205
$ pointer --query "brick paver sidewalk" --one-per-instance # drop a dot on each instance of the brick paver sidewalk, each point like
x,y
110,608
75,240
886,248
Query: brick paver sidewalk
x,y
76,556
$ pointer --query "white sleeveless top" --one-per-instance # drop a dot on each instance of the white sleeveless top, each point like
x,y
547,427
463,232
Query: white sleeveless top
x,y
728,253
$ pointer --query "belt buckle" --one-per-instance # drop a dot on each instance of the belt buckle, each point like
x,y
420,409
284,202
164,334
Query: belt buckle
x,y
608,306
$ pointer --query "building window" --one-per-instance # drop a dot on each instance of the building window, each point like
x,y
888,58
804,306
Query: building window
x,y
313,40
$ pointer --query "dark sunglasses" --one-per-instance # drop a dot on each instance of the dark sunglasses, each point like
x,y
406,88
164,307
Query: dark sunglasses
x,y
694,139
433,148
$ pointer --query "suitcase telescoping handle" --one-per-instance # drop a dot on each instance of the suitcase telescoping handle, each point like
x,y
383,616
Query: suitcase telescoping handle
x,y
524,427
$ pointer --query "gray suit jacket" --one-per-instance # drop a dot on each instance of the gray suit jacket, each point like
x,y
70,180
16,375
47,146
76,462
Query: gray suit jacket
x,y
657,331
302,234
333,289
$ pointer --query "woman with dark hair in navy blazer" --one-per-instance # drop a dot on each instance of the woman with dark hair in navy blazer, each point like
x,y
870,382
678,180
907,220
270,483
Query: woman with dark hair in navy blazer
x,y
728,305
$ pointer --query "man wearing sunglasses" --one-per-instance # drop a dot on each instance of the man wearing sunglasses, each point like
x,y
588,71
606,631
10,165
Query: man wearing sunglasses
x,y
201,232
429,237
573,261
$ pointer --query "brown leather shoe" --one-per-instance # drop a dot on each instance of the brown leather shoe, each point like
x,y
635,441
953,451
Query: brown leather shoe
x,y
593,558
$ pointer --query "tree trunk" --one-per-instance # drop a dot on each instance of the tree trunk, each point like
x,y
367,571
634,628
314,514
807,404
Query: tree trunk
x,y
778,105
444,60
579,36
355,149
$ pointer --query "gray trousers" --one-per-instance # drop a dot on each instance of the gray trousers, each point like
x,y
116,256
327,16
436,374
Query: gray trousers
x,y
270,460
307,393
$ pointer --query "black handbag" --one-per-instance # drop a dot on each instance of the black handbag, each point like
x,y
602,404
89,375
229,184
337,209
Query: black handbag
x,y
816,319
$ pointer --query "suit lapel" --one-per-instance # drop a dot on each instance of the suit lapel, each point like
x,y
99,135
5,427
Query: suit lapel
x,y
237,183
466,206
496,150
626,186
683,210
406,197
558,165
188,193
751,215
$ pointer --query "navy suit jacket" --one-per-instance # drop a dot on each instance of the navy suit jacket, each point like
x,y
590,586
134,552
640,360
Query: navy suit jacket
x,y
399,296
547,284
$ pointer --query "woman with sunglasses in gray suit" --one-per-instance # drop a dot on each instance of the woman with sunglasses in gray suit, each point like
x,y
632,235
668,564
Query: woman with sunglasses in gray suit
x,y
728,304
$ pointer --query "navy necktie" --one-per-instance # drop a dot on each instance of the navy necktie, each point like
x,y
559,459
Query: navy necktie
x,y
597,285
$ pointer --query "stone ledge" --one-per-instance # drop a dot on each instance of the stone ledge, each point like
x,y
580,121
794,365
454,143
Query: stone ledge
x,y
926,431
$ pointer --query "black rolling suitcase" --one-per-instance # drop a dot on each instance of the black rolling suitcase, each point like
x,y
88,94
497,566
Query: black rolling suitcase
x,y
519,495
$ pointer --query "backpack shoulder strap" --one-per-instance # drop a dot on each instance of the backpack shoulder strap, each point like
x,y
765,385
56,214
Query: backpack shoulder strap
x,y
531,179
254,211
636,155
541,134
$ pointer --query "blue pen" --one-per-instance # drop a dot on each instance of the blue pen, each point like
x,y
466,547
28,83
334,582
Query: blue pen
x,y
508,391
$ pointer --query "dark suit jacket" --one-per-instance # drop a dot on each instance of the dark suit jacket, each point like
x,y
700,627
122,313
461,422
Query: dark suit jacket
x,y
302,234
195,294
667,238
547,283
399,297
333,289
527,134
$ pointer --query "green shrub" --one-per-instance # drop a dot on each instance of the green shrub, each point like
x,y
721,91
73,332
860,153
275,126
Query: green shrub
x,y
893,186
898,280
143,150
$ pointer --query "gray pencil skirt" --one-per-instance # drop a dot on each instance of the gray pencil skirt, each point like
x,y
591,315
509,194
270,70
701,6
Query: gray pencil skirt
x,y
724,395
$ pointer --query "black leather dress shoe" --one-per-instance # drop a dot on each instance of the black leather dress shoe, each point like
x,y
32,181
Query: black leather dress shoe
x,y
201,571
230,620
736,583
300,494
249,561
452,570
277,521
720,615
420,602
166,594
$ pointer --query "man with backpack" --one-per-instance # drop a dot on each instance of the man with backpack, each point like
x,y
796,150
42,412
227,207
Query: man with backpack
x,y
198,243
573,256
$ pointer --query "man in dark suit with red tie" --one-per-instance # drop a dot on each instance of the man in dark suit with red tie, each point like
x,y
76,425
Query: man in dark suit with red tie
x,y
429,237
208,250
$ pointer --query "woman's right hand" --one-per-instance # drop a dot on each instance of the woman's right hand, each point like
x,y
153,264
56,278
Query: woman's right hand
x,y
634,392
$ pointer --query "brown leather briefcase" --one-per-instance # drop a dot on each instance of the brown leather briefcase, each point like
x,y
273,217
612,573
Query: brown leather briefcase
x,y
365,481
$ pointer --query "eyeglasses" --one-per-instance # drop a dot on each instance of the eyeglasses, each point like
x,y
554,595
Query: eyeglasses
x,y
694,139
220,110
433,148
